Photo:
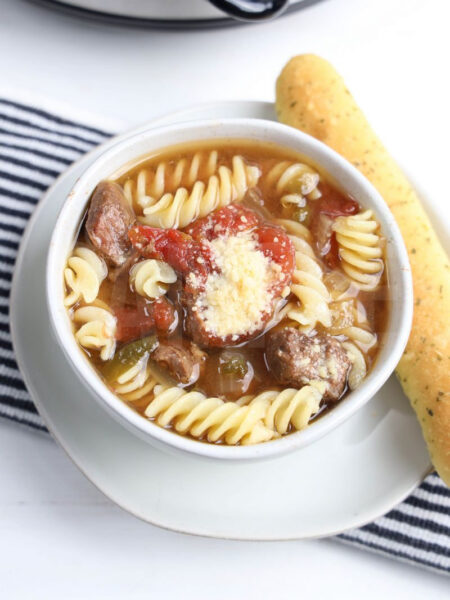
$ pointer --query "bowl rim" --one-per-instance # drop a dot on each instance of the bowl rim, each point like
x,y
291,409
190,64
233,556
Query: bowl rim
x,y
301,143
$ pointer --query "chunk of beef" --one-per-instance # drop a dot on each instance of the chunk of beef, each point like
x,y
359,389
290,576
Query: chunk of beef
x,y
295,359
183,364
108,221
194,325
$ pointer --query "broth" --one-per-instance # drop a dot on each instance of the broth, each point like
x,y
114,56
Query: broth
x,y
241,369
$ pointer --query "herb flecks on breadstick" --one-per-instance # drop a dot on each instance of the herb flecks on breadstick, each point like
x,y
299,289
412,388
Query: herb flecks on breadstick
x,y
313,97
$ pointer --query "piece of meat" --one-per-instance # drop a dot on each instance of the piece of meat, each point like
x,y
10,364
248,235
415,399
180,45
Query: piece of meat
x,y
108,221
183,364
296,359
190,254
116,273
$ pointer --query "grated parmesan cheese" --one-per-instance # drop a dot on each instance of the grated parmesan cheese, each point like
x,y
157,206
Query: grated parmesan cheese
x,y
235,299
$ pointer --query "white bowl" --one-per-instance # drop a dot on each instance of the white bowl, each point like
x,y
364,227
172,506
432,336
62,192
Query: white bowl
x,y
349,180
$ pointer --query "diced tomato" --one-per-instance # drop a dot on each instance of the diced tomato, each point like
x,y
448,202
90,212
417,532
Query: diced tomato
x,y
233,219
178,249
335,204
134,322
226,222
276,245
326,209
164,314
169,245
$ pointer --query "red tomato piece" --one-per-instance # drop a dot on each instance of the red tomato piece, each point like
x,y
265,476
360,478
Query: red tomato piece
x,y
335,204
164,314
134,322
226,222
276,245
326,209
178,249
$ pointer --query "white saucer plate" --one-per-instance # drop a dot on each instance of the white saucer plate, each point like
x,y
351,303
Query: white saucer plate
x,y
346,479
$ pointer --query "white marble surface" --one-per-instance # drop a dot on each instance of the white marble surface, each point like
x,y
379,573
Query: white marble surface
x,y
58,536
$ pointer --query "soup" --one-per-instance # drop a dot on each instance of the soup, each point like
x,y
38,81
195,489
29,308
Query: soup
x,y
230,292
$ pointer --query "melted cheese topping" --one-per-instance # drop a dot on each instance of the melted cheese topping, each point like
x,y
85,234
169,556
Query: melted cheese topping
x,y
235,299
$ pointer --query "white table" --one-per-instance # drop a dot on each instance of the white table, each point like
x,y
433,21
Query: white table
x,y
59,537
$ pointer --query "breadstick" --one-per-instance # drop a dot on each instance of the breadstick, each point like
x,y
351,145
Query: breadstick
x,y
313,97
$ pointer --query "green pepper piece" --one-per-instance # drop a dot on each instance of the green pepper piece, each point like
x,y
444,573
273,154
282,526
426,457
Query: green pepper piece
x,y
235,365
128,356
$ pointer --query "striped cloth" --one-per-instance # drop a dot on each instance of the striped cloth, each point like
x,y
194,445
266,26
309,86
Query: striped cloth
x,y
37,145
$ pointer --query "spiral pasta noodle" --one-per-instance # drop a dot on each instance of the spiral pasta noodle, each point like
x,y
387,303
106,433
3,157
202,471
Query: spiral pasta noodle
x,y
151,184
360,249
349,320
307,284
290,407
361,336
97,331
294,182
194,413
83,275
358,370
352,323
136,382
183,207
249,420
151,278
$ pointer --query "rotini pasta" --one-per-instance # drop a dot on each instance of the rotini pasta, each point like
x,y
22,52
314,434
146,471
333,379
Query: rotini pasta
x,y
361,336
151,278
307,282
249,420
294,182
360,249
83,275
290,407
97,330
180,209
194,413
358,369
151,184
347,319
136,382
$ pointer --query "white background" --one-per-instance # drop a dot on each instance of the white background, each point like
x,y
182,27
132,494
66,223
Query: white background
x,y
59,537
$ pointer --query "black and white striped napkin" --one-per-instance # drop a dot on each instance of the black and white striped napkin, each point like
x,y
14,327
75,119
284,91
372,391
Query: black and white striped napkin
x,y
36,145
